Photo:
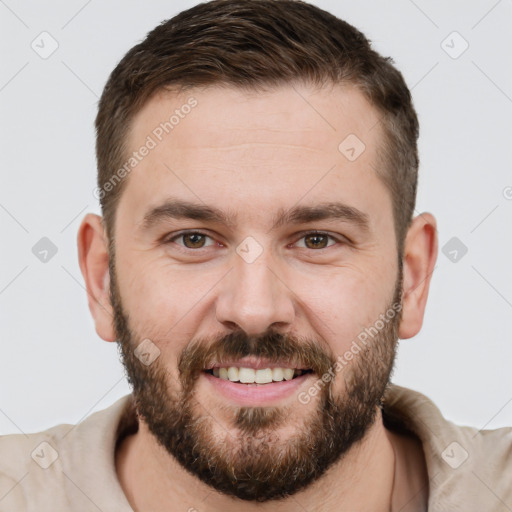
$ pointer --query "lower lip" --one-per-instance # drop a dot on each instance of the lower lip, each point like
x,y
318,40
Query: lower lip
x,y
256,394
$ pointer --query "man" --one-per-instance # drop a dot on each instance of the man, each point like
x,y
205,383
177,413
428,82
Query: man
x,y
257,261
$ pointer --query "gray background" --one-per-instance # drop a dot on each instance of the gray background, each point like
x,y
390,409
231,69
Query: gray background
x,y
53,366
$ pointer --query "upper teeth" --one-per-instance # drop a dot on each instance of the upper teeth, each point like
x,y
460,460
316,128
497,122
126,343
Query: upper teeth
x,y
250,375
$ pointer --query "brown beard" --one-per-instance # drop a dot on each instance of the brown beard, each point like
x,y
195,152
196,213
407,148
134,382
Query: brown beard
x,y
255,464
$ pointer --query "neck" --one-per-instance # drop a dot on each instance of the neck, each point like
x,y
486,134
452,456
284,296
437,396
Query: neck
x,y
363,480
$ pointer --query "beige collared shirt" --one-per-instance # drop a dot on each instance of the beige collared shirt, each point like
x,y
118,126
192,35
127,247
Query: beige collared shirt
x,y
72,467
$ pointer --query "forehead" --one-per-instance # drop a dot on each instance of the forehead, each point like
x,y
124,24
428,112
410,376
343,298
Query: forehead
x,y
247,150
221,113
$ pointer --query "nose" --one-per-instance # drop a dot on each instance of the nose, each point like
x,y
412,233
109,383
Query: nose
x,y
254,297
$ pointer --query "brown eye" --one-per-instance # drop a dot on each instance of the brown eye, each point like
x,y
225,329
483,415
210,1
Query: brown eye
x,y
193,240
316,241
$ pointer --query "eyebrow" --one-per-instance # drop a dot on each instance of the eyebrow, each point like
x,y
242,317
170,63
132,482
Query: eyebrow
x,y
179,209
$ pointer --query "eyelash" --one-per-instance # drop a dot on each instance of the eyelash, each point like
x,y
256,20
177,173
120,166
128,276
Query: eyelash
x,y
303,235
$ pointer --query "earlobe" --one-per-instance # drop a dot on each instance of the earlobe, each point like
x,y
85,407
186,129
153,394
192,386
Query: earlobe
x,y
420,255
93,258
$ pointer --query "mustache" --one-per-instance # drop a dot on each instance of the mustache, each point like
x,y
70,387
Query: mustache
x,y
272,346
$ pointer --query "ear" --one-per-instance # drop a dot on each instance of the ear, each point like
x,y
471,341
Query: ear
x,y
420,255
93,258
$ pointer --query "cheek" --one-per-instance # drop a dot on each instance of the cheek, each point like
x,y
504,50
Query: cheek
x,y
340,305
164,301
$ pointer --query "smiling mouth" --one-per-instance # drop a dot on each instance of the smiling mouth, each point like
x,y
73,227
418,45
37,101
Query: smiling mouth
x,y
243,375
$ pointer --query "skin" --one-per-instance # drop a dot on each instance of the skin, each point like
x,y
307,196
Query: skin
x,y
252,154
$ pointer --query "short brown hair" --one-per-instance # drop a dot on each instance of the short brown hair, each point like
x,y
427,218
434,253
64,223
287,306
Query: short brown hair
x,y
254,44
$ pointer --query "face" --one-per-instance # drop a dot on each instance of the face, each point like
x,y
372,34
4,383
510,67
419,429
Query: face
x,y
247,237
